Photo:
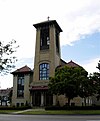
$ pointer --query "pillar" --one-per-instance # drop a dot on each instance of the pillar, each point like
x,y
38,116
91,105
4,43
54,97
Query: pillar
x,y
42,99
54,100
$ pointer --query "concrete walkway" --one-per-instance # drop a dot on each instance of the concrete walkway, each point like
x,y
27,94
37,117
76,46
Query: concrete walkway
x,y
36,109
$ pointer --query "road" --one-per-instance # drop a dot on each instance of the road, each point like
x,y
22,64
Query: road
x,y
4,117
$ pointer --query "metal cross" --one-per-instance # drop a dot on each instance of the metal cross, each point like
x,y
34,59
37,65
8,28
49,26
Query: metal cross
x,y
48,18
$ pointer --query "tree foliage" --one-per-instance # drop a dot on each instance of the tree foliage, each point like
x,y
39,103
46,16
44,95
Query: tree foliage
x,y
95,77
7,57
69,81
98,65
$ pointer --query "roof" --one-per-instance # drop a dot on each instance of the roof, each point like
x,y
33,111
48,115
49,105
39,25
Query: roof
x,y
63,63
47,23
24,69
5,92
72,64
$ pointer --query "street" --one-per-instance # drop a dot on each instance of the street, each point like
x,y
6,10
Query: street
x,y
4,117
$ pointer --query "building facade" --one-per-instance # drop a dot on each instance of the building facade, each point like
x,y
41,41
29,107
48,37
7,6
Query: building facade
x,y
31,87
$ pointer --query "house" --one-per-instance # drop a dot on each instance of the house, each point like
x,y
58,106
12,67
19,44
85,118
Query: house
x,y
5,96
31,86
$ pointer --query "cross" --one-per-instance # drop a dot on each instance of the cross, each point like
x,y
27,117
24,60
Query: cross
x,y
48,18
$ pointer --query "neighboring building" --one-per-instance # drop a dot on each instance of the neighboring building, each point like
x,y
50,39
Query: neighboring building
x,y
5,96
32,88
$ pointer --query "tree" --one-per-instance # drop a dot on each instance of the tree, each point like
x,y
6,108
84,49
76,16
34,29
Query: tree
x,y
67,80
87,88
7,58
95,77
98,65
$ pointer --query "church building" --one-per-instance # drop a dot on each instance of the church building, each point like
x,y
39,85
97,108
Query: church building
x,y
31,86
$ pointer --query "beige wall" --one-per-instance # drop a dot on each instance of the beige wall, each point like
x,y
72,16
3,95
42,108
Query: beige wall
x,y
26,97
46,56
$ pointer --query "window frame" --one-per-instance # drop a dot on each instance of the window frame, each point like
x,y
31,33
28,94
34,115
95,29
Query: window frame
x,y
44,71
20,86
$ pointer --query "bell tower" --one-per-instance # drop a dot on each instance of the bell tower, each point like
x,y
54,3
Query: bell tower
x,y
47,50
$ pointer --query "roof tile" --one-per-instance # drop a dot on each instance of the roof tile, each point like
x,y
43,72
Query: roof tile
x,y
23,69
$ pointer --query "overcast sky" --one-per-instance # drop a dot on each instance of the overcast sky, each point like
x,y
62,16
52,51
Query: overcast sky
x,y
79,20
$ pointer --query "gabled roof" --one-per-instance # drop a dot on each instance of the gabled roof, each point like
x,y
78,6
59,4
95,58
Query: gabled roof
x,y
24,69
5,92
72,64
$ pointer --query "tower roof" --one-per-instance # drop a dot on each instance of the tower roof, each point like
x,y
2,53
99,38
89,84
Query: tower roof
x,y
47,23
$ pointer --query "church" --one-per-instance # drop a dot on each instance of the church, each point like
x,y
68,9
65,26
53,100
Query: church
x,y
31,86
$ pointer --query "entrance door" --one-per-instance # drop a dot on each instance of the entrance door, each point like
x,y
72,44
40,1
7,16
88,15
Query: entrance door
x,y
37,98
48,99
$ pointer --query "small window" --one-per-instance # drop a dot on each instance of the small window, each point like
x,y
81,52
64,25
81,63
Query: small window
x,y
44,71
17,104
22,104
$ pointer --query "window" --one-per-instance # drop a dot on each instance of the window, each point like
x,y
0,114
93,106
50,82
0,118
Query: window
x,y
44,71
20,86
17,104
22,104
44,38
57,41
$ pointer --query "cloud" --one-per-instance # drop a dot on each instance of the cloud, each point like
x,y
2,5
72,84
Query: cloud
x,y
91,65
81,21
25,61
77,18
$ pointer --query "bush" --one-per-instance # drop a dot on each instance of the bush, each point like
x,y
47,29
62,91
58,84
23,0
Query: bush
x,y
14,108
73,108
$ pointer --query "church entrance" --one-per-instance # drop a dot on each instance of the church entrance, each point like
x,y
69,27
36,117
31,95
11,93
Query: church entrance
x,y
41,98
37,98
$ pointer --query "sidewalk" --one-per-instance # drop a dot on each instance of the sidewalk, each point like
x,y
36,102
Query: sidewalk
x,y
36,109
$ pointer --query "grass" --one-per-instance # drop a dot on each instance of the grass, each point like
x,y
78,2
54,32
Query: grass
x,y
64,112
7,111
54,112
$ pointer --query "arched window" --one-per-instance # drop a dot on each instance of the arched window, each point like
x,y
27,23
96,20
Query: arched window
x,y
44,71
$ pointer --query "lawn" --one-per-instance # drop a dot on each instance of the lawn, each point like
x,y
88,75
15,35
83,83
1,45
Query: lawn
x,y
7,111
53,112
63,112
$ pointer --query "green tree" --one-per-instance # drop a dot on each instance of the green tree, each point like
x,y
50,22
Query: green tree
x,y
95,77
87,88
98,65
7,58
67,80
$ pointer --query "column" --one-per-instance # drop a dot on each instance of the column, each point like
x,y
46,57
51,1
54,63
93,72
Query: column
x,y
54,100
42,99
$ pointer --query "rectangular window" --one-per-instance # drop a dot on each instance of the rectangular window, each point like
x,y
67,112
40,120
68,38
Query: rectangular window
x,y
57,41
44,38
20,86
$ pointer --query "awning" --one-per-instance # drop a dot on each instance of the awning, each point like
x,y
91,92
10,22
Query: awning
x,y
39,88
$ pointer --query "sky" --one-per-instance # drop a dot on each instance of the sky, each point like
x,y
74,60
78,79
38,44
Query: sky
x,y
79,20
